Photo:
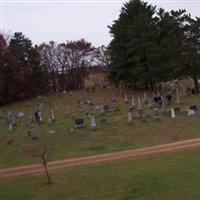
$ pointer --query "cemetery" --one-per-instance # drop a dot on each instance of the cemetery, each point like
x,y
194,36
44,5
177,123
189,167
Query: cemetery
x,y
99,100
88,123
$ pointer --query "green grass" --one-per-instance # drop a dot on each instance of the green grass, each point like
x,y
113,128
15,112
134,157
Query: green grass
x,y
117,135
174,176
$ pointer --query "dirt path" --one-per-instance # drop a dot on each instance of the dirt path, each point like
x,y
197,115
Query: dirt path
x,y
61,164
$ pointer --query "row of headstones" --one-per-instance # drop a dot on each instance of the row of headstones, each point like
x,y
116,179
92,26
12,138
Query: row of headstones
x,y
158,100
79,122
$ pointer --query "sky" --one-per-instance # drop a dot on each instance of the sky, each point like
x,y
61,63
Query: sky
x,y
62,20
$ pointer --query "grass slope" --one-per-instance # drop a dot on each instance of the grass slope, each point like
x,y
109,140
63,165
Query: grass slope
x,y
168,177
117,135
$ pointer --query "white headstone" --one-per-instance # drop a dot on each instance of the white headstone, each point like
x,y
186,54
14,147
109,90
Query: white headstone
x,y
130,118
92,122
190,112
133,102
173,114
125,98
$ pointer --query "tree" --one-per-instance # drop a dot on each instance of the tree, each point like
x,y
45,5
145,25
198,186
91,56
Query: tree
x,y
42,149
191,50
27,63
134,45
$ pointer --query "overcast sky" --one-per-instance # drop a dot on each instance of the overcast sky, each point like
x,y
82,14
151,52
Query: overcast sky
x,y
71,20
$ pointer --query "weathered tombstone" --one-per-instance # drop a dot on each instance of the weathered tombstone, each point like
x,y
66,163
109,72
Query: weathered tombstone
x,y
177,109
129,99
140,113
31,132
190,113
103,121
193,107
169,98
125,98
130,118
20,115
79,123
177,96
145,99
133,102
71,130
40,115
10,120
139,103
52,132
52,116
172,113
37,117
157,100
156,114
97,108
34,134
106,108
92,122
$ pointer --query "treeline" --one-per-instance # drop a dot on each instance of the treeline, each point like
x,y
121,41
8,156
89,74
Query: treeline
x,y
151,45
27,70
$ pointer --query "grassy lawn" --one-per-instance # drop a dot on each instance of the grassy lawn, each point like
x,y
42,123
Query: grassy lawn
x,y
117,135
174,176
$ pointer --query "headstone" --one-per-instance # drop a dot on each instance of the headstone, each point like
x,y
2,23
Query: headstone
x,y
156,114
191,113
129,99
177,96
40,115
52,116
103,121
34,134
139,102
79,123
193,107
71,130
106,108
172,113
133,102
92,122
177,109
145,99
52,132
31,132
97,108
10,120
140,113
157,100
20,115
169,98
125,98
37,117
130,118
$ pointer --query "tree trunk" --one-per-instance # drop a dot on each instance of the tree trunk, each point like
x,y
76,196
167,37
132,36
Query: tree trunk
x,y
196,85
46,170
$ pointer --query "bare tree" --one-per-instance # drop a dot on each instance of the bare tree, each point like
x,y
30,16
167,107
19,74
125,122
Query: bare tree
x,y
42,149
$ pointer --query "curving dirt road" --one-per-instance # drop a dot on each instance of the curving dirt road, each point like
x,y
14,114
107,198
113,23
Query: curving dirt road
x,y
61,164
